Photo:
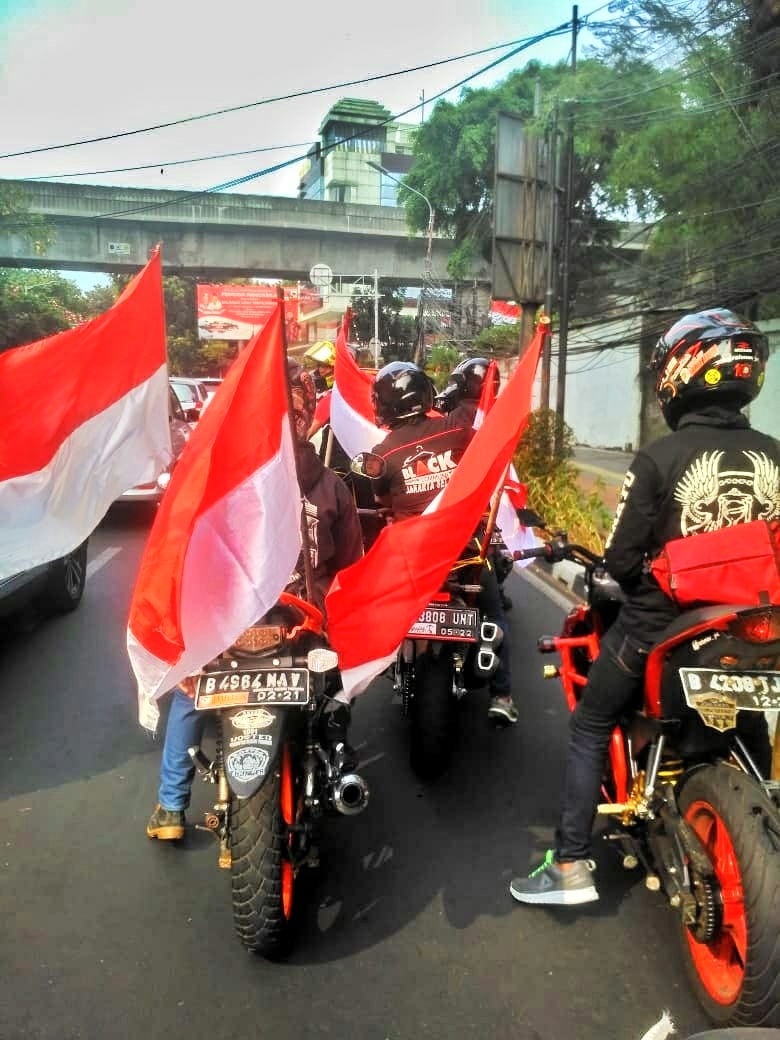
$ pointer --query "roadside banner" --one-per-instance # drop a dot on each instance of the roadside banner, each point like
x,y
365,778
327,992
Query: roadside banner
x,y
228,531
84,417
238,312
372,603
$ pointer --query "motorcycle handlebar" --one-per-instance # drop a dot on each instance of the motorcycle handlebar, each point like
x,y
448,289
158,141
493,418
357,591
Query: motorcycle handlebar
x,y
556,550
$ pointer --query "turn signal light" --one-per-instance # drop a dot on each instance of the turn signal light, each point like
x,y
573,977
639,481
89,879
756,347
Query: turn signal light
x,y
546,644
322,660
550,671
759,627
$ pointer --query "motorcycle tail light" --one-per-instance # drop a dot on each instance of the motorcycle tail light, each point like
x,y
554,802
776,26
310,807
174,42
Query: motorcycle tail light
x,y
757,627
729,661
260,637
321,660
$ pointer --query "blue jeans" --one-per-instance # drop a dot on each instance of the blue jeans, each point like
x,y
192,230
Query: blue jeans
x,y
614,680
184,730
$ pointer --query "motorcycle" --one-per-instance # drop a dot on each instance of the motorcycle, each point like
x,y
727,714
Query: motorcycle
x,y
449,649
276,782
682,792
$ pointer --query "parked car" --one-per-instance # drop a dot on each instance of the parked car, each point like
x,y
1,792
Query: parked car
x,y
51,588
212,384
192,395
180,432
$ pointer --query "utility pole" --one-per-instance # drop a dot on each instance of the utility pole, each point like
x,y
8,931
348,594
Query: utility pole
x,y
563,330
376,318
549,293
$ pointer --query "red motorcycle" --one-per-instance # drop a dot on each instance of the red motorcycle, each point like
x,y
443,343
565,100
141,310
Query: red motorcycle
x,y
682,791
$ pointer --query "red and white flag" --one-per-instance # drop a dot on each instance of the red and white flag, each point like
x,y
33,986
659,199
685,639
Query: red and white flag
x,y
514,495
371,604
84,417
228,532
351,411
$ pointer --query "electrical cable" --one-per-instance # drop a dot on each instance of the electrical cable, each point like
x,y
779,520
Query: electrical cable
x,y
528,42
256,104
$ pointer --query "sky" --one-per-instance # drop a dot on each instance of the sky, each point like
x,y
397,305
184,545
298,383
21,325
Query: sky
x,y
74,69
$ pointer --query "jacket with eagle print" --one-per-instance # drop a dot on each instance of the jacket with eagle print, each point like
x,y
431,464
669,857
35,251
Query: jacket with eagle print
x,y
713,471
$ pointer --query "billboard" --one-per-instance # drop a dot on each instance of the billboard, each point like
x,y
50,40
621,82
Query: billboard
x,y
504,313
237,312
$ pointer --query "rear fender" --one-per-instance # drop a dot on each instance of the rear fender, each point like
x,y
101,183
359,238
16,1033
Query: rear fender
x,y
252,738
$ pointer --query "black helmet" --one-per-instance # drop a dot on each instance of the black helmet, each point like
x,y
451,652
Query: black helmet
x,y
470,374
713,357
401,391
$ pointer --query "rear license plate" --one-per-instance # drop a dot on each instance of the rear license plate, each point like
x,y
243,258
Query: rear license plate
x,y
252,686
437,622
749,691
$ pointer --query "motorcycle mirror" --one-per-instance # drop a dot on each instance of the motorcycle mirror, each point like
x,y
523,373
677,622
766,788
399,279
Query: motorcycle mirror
x,y
367,464
528,518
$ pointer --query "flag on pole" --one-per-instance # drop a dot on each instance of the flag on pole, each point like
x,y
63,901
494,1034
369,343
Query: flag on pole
x,y
100,424
228,532
371,604
513,494
351,410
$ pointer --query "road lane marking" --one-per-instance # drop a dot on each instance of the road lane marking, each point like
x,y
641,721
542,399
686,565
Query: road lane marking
x,y
101,560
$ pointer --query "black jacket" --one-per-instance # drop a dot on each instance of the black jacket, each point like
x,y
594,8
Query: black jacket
x,y
420,456
335,539
712,472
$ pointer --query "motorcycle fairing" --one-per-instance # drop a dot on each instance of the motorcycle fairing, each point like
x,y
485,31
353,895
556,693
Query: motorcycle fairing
x,y
252,737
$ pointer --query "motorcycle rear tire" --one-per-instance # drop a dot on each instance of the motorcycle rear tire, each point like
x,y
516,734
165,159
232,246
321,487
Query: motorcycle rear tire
x,y
432,713
262,875
736,976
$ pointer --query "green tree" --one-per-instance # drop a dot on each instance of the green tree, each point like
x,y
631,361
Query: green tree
x,y
702,163
396,333
16,219
35,304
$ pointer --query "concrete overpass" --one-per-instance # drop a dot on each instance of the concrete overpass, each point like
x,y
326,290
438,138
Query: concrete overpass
x,y
217,236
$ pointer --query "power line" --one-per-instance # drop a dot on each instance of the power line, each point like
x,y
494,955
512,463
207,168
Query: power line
x,y
175,162
256,104
528,42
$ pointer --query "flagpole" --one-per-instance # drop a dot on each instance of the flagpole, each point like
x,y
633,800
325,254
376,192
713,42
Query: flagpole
x,y
307,568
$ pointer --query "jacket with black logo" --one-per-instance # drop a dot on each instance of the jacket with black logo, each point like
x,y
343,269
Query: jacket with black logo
x,y
713,471
420,458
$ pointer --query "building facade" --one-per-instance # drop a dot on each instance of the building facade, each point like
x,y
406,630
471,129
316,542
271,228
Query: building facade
x,y
353,134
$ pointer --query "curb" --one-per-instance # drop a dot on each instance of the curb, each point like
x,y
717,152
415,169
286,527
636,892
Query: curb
x,y
562,585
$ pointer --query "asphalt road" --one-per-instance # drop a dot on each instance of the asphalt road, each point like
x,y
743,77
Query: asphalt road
x,y
408,930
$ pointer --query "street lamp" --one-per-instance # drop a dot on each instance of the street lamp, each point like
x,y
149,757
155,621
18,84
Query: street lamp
x,y
419,350
427,201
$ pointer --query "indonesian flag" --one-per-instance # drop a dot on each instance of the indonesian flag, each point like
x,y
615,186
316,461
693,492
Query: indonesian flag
x,y
371,604
514,495
228,532
84,417
351,411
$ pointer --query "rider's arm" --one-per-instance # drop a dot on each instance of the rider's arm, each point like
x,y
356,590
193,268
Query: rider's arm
x,y
631,537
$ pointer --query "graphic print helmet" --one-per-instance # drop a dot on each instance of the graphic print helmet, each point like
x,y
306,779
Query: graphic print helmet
x,y
712,356
400,391
304,397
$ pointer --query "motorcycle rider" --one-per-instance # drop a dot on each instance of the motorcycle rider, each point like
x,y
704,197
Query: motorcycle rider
x,y
320,358
421,451
460,399
712,471
334,542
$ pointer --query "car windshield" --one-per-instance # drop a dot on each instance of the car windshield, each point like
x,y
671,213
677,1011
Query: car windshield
x,y
185,392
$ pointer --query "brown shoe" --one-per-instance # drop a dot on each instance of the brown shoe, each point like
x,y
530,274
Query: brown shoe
x,y
166,824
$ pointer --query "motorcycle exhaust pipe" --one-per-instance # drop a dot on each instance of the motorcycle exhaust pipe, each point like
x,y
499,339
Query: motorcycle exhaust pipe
x,y
486,662
350,794
491,634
